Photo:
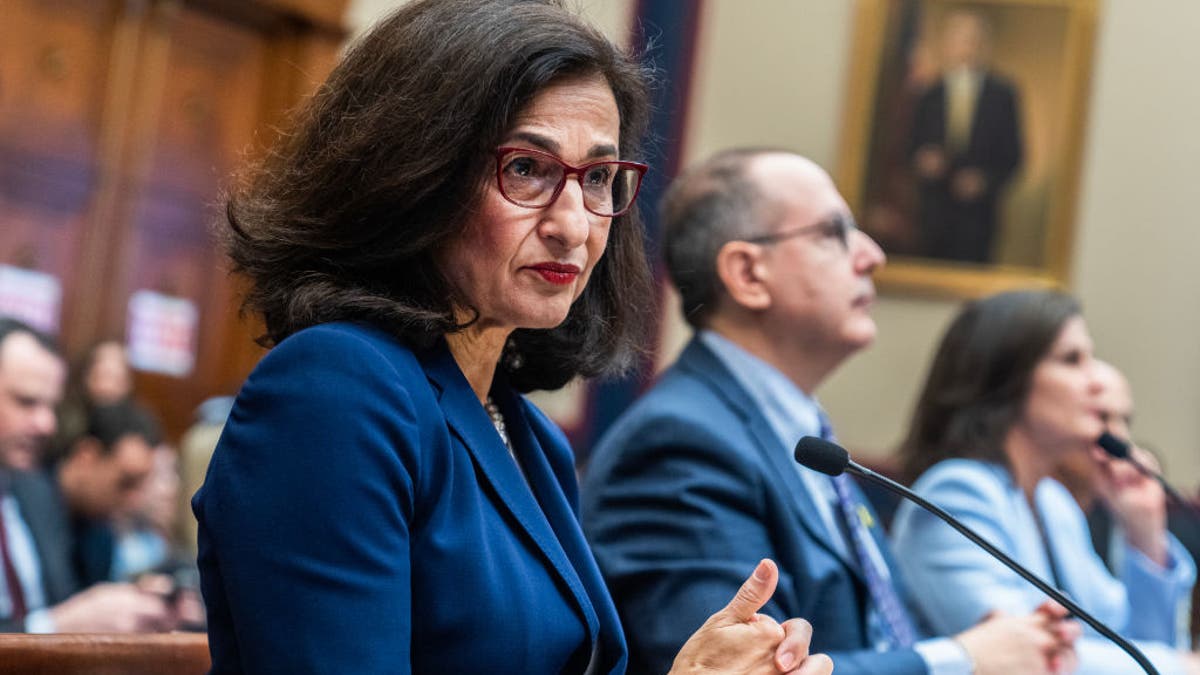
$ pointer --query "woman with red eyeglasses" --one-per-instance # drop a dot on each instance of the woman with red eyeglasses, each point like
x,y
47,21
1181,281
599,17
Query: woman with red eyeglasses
x,y
449,223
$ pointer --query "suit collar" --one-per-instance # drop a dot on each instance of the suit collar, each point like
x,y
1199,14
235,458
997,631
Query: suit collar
x,y
551,524
532,437
699,361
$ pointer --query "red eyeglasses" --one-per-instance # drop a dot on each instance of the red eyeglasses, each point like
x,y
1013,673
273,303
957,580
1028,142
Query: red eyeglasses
x,y
534,179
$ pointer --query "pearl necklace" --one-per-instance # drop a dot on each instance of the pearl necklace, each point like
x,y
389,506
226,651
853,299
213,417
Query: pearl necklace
x,y
493,412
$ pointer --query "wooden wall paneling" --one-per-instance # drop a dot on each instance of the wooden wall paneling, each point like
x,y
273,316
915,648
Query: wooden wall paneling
x,y
200,120
120,120
298,60
322,14
58,59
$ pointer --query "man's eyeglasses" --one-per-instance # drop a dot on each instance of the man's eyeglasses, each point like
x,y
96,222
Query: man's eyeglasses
x,y
838,227
534,179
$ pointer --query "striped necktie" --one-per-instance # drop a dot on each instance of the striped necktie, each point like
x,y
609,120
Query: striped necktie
x,y
896,623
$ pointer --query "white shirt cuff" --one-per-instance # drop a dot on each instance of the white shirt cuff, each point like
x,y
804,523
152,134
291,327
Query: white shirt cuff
x,y
944,656
40,621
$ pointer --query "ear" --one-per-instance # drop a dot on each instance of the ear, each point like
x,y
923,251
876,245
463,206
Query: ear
x,y
742,272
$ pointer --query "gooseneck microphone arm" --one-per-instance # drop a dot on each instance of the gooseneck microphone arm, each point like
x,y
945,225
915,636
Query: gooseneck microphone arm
x,y
1119,449
832,459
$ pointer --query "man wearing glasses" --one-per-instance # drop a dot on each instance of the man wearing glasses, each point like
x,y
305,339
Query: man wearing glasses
x,y
695,483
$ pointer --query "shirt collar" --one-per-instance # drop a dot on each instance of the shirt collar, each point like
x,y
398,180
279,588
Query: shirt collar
x,y
791,413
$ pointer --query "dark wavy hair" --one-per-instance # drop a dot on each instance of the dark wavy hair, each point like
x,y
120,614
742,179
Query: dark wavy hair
x,y
345,217
980,377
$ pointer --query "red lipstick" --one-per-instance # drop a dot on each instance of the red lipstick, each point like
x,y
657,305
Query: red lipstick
x,y
556,273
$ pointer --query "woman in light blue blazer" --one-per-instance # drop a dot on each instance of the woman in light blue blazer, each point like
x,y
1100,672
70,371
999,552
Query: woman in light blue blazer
x,y
448,224
1013,389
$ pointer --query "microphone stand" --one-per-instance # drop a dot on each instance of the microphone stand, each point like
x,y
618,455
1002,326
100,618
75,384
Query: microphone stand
x,y
1044,587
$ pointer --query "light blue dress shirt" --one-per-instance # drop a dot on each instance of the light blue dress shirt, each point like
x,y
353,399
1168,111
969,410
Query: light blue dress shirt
x,y
792,415
954,582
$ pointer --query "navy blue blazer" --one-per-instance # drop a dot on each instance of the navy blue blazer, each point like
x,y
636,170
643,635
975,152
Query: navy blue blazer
x,y
361,515
683,497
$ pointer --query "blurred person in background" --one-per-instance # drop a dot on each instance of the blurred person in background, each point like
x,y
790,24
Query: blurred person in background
x,y
145,528
100,476
39,590
147,548
195,451
1013,389
1089,476
696,481
101,376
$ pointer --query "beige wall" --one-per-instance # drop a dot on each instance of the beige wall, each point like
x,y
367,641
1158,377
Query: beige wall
x,y
1139,229
773,72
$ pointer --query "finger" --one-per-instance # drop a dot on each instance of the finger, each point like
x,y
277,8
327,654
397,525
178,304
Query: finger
x,y
797,636
754,593
1052,609
817,664
156,584
1146,459
1068,632
992,614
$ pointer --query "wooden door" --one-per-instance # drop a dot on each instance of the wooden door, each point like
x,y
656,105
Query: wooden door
x,y
58,63
120,122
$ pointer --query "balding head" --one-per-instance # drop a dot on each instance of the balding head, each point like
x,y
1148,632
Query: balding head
x,y
719,200
764,251
31,383
1116,400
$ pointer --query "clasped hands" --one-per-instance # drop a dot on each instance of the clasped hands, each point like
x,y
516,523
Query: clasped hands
x,y
1040,642
737,639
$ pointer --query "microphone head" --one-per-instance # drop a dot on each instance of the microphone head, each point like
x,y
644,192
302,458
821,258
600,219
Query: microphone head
x,y
821,455
1113,445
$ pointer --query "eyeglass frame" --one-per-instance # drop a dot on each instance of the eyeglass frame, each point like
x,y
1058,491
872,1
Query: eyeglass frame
x,y
568,170
845,222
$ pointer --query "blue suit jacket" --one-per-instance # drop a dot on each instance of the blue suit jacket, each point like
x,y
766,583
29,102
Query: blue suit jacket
x,y
957,582
683,497
361,515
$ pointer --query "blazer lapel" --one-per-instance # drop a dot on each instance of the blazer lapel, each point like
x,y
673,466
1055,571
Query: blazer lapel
x,y
470,422
532,438
44,516
702,363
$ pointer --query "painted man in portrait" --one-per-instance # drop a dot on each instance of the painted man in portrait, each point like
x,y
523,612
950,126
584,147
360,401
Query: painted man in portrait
x,y
966,146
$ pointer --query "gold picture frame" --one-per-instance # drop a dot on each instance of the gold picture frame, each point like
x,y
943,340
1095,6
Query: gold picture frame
x,y
1041,51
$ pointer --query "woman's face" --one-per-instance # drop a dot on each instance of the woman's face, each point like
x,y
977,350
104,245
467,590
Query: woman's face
x,y
523,267
109,380
1064,409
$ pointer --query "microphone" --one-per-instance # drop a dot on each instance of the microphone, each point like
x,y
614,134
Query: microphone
x,y
1119,449
832,459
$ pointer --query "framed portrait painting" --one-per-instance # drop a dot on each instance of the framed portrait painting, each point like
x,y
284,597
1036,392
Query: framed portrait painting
x,y
963,133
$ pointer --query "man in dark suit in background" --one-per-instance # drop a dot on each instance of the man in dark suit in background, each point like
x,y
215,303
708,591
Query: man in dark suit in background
x,y
99,475
695,482
966,145
39,591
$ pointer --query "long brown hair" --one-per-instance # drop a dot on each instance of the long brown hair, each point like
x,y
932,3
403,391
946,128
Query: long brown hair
x,y
980,377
